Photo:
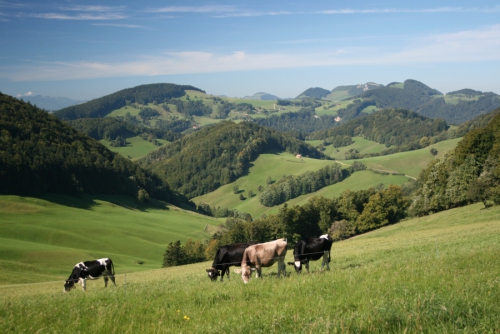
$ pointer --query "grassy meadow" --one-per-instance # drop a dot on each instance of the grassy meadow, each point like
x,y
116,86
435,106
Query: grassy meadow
x,y
42,239
278,165
435,274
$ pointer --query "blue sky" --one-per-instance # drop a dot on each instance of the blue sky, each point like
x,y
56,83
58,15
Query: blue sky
x,y
88,49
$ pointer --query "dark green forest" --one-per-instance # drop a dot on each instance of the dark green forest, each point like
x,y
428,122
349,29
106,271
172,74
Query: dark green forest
x,y
316,92
416,96
400,129
41,154
143,94
218,154
110,128
299,124
468,174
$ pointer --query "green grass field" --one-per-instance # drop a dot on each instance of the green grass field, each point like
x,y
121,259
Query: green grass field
x,y
59,231
278,165
435,274
136,148
411,162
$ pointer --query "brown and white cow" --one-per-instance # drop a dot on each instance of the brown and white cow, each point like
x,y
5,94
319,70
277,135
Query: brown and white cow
x,y
263,255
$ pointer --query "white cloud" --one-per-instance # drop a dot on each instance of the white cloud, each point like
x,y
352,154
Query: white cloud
x,y
79,17
25,94
194,9
459,47
118,25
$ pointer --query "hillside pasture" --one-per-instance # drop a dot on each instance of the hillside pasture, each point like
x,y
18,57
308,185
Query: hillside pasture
x,y
41,239
136,147
363,146
276,166
411,162
435,274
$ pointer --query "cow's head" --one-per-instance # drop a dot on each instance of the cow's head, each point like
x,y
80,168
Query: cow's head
x,y
68,285
213,273
297,265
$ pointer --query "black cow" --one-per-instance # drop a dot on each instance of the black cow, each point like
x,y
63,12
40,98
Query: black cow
x,y
229,255
91,270
312,249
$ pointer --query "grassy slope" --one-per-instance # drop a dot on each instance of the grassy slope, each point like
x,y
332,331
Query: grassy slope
x,y
412,162
277,165
136,148
57,232
438,273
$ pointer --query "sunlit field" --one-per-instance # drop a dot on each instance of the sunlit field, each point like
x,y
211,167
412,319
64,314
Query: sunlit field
x,y
436,274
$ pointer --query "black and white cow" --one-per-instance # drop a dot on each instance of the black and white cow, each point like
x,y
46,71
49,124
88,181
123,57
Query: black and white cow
x,y
229,255
91,270
312,249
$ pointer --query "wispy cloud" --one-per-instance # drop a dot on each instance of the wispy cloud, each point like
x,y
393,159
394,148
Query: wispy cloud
x,y
461,47
194,9
79,17
25,94
81,8
118,25
415,11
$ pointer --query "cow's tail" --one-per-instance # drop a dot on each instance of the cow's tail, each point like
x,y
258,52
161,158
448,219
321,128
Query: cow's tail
x,y
112,268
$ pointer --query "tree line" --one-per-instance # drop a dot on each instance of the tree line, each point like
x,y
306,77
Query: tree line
x,y
218,154
41,154
144,94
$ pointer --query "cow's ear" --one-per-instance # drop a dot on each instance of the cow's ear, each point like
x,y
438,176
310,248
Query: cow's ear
x,y
290,263
238,271
209,270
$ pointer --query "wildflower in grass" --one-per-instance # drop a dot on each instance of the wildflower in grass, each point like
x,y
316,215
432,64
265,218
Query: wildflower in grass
x,y
186,318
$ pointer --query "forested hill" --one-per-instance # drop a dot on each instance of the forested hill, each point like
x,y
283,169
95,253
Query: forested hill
x,y
218,154
390,127
456,107
110,128
41,154
468,174
143,94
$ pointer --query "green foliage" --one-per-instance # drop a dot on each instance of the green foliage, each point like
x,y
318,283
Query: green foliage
x,y
218,154
110,128
143,94
293,186
41,154
176,254
468,174
316,92
399,129
304,122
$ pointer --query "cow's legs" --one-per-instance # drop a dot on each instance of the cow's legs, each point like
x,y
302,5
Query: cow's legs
x,y
84,283
307,265
281,267
107,274
326,260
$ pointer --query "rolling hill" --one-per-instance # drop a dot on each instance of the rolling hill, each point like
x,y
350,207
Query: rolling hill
x,y
219,154
41,154
44,236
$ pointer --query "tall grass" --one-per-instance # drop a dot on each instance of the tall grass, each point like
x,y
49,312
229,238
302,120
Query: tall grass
x,y
436,274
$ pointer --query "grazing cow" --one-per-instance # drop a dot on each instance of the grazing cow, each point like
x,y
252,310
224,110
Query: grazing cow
x,y
229,255
312,249
263,255
91,270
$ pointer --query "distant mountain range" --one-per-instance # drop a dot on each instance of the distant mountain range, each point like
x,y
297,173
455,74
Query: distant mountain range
x,y
262,96
50,103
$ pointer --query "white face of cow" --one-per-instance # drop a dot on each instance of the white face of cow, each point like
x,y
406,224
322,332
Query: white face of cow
x,y
245,274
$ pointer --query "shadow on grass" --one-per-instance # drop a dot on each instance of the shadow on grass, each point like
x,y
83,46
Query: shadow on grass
x,y
87,202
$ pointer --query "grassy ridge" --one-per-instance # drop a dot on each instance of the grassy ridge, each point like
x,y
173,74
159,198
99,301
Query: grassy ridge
x,y
278,165
438,273
46,237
